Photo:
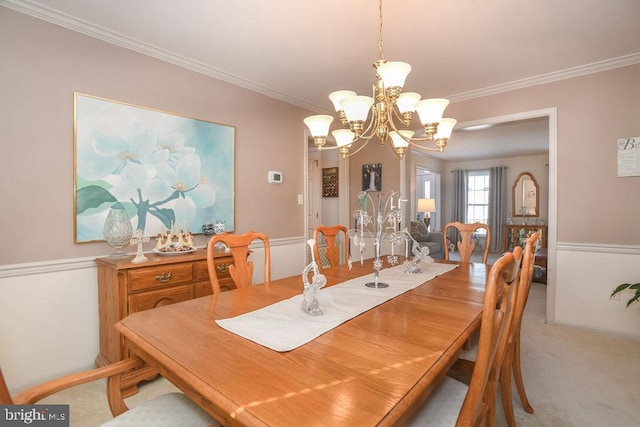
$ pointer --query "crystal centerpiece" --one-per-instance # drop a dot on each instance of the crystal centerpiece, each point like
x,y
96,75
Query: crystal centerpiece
x,y
378,221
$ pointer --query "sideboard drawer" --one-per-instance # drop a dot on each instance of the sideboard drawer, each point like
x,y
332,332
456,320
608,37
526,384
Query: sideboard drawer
x,y
146,300
201,271
153,277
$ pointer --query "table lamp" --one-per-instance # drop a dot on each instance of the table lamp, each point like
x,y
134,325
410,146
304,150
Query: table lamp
x,y
426,206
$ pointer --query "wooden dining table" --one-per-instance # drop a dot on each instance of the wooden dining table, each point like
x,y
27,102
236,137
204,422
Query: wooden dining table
x,y
374,369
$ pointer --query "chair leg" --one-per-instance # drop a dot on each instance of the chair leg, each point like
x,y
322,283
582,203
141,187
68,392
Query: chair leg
x,y
505,389
517,375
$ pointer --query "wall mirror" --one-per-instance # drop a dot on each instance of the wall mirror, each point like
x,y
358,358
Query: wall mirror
x,y
524,199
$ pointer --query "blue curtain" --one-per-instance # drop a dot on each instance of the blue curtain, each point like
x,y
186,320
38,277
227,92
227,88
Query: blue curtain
x,y
459,212
497,207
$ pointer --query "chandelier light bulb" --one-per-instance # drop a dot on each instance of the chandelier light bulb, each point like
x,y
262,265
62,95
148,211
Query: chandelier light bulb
x,y
318,125
407,101
357,108
399,139
343,137
431,110
337,97
445,128
393,74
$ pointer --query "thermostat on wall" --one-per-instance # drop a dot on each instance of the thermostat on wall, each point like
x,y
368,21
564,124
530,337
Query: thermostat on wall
x,y
275,177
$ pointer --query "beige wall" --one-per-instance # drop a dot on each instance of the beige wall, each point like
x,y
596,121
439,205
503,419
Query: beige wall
x,y
43,64
594,205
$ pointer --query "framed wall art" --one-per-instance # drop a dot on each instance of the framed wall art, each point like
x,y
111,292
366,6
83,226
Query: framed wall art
x,y
372,177
330,182
167,171
628,156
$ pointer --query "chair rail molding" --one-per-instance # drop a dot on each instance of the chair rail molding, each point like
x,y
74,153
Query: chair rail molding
x,y
598,247
53,266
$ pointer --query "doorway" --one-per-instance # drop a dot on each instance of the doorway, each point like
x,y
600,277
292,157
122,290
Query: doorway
x,y
551,115
314,192
428,187
334,208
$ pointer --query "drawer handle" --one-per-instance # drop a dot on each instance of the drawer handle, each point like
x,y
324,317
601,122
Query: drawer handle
x,y
223,268
164,277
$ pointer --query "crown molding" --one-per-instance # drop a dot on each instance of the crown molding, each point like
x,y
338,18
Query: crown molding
x,y
50,15
555,76
47,14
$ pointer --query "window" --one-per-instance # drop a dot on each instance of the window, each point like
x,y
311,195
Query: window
x,y
478,198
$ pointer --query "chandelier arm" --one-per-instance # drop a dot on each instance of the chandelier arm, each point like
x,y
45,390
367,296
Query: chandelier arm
x,y
396,152
390,120
395,114
366,141
422,147
370,128
421,139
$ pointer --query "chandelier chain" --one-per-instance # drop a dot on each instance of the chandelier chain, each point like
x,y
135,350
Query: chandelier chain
x,y
380,42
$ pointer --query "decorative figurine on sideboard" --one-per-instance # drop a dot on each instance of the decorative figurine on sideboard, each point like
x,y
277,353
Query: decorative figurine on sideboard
x,y
139,239
208,231
165,245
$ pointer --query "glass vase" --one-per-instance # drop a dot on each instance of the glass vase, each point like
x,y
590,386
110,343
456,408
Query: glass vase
x,y
117,231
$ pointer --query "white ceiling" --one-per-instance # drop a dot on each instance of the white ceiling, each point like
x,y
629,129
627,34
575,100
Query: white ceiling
x,y
299,51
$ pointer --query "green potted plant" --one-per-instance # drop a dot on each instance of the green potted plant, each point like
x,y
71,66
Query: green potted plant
x,y
634,286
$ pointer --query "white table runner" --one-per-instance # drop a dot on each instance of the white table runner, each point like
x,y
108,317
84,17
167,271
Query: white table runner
x,y
284,325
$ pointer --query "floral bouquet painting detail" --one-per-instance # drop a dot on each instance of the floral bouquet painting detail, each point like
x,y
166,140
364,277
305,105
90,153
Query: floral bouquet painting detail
x,y
168,172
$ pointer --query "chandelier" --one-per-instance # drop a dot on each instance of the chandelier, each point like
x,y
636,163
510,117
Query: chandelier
x,y
387,105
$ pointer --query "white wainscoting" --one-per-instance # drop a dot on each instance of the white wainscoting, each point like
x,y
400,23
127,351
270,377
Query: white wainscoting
x,y
49,312
585,277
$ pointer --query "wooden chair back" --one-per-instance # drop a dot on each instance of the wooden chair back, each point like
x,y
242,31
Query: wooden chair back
x,y
497,320
332,250
242,269
465,243
512,358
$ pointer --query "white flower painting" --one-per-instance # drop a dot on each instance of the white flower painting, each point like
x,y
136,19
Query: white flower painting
x,y
168,171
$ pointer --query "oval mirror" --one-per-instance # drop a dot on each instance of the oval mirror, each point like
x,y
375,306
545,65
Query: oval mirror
x,y
524,199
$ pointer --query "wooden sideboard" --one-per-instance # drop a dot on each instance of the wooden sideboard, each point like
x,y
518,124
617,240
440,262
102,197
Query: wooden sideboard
x,y
516,235
125,288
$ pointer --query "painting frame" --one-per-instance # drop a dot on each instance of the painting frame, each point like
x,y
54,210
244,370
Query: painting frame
x,y
330,182
169,171
372,177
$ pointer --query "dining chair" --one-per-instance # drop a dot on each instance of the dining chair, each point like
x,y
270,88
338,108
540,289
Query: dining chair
x,y
332,250
464,241
512,361
464,366
241,271
455,403
169,409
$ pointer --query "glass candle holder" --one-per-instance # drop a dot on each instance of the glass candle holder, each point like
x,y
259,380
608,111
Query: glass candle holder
x,y
117,230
